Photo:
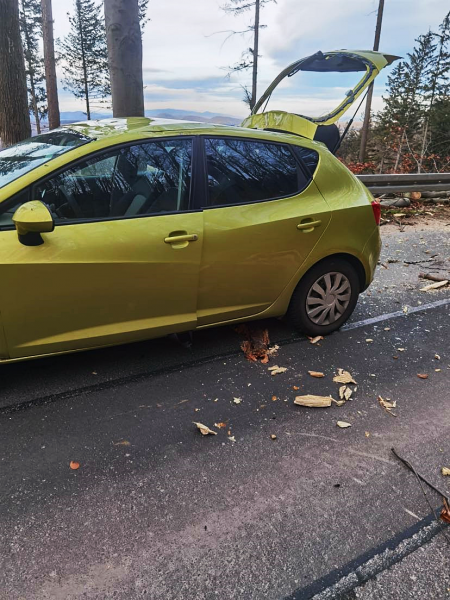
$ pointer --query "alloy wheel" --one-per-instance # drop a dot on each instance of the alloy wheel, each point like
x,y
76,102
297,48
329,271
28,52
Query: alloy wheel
x,y
328,298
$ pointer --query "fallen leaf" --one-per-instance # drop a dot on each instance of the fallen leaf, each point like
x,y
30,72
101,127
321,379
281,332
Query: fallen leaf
x,y
343,424
401,349
438,370
434,286
255,345
368,340
237,400
445,513
343,377
348,393
278,370
220,425
74,465
437,357
367,433
316,374
387,328
122,443
295,387
313,401
273,437
316,339
422,375
388,406
94,372
273,367
231,438
405,310
274,398
341,391
445,471
204,430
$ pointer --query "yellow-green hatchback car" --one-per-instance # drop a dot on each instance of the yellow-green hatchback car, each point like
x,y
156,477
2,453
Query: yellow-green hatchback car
x,y
120,230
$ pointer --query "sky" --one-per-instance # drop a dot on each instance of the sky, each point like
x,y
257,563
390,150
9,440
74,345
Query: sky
x,y
187,49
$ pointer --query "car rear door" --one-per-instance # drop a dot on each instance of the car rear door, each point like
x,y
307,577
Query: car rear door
x,y
263,216
122,262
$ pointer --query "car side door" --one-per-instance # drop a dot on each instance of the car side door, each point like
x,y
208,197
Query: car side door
x,y
122,263
263,216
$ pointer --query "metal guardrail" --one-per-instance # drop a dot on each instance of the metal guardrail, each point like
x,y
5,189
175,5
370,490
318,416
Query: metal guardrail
x,y
411,182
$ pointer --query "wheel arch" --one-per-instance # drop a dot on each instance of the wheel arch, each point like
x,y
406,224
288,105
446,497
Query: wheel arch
x,y
351,259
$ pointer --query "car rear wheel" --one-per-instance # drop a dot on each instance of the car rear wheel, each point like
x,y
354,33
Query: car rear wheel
x,y
324,298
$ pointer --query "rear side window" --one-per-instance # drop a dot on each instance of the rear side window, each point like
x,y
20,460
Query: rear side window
x,y
308,157
243,171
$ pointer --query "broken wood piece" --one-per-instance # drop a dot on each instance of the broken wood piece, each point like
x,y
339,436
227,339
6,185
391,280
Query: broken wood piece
x,y
314,401
431,277
434,286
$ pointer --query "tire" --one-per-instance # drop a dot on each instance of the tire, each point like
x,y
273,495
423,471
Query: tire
x,y
310,301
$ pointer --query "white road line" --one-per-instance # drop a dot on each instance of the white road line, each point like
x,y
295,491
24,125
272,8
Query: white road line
x,y
395,315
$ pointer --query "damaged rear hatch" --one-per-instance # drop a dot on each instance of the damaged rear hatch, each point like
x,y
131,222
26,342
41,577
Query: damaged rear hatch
x,y
317,119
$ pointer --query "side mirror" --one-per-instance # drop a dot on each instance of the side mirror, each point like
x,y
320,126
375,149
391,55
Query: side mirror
x,y
31,219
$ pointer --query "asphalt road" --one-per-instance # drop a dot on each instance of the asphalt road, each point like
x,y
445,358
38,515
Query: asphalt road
x,y
158,511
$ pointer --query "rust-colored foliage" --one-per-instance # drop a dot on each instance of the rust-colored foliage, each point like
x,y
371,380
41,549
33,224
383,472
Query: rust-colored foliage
x,y
256,343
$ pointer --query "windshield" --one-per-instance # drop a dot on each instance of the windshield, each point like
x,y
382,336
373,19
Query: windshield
x,y
18,160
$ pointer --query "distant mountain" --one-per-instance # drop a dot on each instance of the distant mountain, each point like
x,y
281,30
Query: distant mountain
x,y
163,113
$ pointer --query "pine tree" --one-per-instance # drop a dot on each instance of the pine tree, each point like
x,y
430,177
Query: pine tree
x,y
142,8
249,57
85,56
51,83
31,30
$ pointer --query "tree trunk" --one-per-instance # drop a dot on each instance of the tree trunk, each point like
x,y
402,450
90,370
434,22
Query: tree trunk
x,y
29,68
14,114
34,103
49,64
366,124
123,36
255,56
83,60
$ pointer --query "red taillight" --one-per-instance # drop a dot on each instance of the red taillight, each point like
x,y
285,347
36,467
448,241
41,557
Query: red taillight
x,y
376,211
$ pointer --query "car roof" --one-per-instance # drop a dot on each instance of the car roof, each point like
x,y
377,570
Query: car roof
x,y
103,128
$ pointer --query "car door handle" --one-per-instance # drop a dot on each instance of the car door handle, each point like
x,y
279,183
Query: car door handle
x,y
308,226
179,239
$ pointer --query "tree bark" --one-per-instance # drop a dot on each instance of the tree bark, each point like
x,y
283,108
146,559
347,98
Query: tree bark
x,y
49,64
14,113
255,56
365,127
123,36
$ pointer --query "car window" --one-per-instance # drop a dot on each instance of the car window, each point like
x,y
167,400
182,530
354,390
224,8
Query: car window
x,y
80,192
308,157
144,179
242,171
153,178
